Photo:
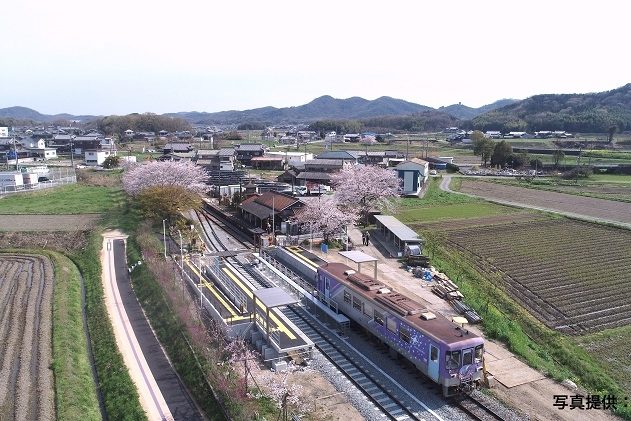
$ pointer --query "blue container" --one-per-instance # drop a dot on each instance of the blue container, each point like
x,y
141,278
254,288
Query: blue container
x,y
324,248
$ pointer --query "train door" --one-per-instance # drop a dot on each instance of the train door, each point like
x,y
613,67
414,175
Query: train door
x,y
433,363
327,285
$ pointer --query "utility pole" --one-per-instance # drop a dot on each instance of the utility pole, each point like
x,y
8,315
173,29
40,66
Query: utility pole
x,y
164,237
15,151
181,253
71,151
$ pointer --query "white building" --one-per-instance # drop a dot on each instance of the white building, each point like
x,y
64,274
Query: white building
x,y
414,174
95,157
10,180
4,132
292,158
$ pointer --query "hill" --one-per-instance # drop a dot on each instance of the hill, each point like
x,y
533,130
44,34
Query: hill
x,y
583,113
462,112
24,114
324,107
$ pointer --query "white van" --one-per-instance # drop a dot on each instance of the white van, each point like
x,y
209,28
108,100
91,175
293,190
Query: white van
x,y
300,190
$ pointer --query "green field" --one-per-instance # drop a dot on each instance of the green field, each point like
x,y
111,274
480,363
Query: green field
x,y
68,199
437,205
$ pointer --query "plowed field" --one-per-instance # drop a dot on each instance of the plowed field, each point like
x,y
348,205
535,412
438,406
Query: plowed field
x,y
26,379
574,276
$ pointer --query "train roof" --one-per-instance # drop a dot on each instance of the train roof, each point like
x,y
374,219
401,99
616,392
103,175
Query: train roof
x,y
412,311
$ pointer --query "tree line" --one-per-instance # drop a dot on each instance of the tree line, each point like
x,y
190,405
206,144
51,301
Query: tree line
x,y
147,122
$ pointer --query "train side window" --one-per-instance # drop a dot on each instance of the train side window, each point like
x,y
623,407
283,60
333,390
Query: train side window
x,y
467,357
434,353
391,324
357,304
452,360
479,351
347,297
327,283
404,334
378,318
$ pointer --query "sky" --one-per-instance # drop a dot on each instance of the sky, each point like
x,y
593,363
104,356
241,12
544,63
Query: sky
x,y
124,56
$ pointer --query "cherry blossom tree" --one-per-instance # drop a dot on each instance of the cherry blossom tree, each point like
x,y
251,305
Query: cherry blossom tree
x,y
324,215
364,188
285,395
162,189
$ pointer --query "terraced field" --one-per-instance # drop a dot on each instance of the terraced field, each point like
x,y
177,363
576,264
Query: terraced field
x,y
26,379
574,276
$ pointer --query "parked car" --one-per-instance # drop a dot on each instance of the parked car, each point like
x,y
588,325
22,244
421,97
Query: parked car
x,y
300,190
41,179
433,172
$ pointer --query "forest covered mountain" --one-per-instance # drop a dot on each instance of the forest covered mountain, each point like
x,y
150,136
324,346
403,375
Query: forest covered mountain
x,y
581,113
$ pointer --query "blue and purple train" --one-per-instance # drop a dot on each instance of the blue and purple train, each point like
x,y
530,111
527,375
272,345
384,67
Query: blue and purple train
x,y
446,353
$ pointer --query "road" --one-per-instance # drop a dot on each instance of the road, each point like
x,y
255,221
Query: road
x,y
574,206
162,394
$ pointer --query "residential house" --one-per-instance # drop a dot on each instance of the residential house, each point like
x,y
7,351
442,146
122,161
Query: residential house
x,y
292,158
268,162
246,151
414,174
216,159
4,132
94,157
37,149
177,148
343,156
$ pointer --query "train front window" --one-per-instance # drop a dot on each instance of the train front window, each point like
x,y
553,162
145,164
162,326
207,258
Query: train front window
x,y
452,360
479,351
467,357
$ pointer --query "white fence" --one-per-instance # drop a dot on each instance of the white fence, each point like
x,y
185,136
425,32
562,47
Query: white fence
x,y
38,186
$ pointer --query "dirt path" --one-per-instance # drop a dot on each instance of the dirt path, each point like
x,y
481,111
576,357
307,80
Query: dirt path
x,y
26,380
151,397
587,208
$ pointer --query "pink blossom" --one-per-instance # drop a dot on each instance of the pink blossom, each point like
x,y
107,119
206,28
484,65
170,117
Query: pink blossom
x,y
165,174
324,215
365,188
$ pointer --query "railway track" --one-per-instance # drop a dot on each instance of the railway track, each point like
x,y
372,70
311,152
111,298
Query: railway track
x,y
387,395
379,390
476,409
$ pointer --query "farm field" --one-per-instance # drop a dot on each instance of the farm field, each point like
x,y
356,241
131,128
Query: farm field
x,y
610,187
606,210
573,276
26,380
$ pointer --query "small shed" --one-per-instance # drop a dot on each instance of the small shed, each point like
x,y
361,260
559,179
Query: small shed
x,y
395,234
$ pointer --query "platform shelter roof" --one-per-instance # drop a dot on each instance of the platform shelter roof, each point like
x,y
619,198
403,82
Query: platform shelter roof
x,y
274,297
397,228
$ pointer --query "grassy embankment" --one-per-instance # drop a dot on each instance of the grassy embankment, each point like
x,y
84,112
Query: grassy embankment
x,y
114,383
554,354
438,205
75,388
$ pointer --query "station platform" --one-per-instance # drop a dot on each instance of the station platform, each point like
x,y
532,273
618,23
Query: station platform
x,y
235,298
305,256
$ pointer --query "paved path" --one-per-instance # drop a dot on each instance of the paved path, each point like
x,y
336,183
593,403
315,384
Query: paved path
x,y
585,208
162,395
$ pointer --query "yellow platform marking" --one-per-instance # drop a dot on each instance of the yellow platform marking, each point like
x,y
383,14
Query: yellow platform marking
x,y
275,319
228,306
293,250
